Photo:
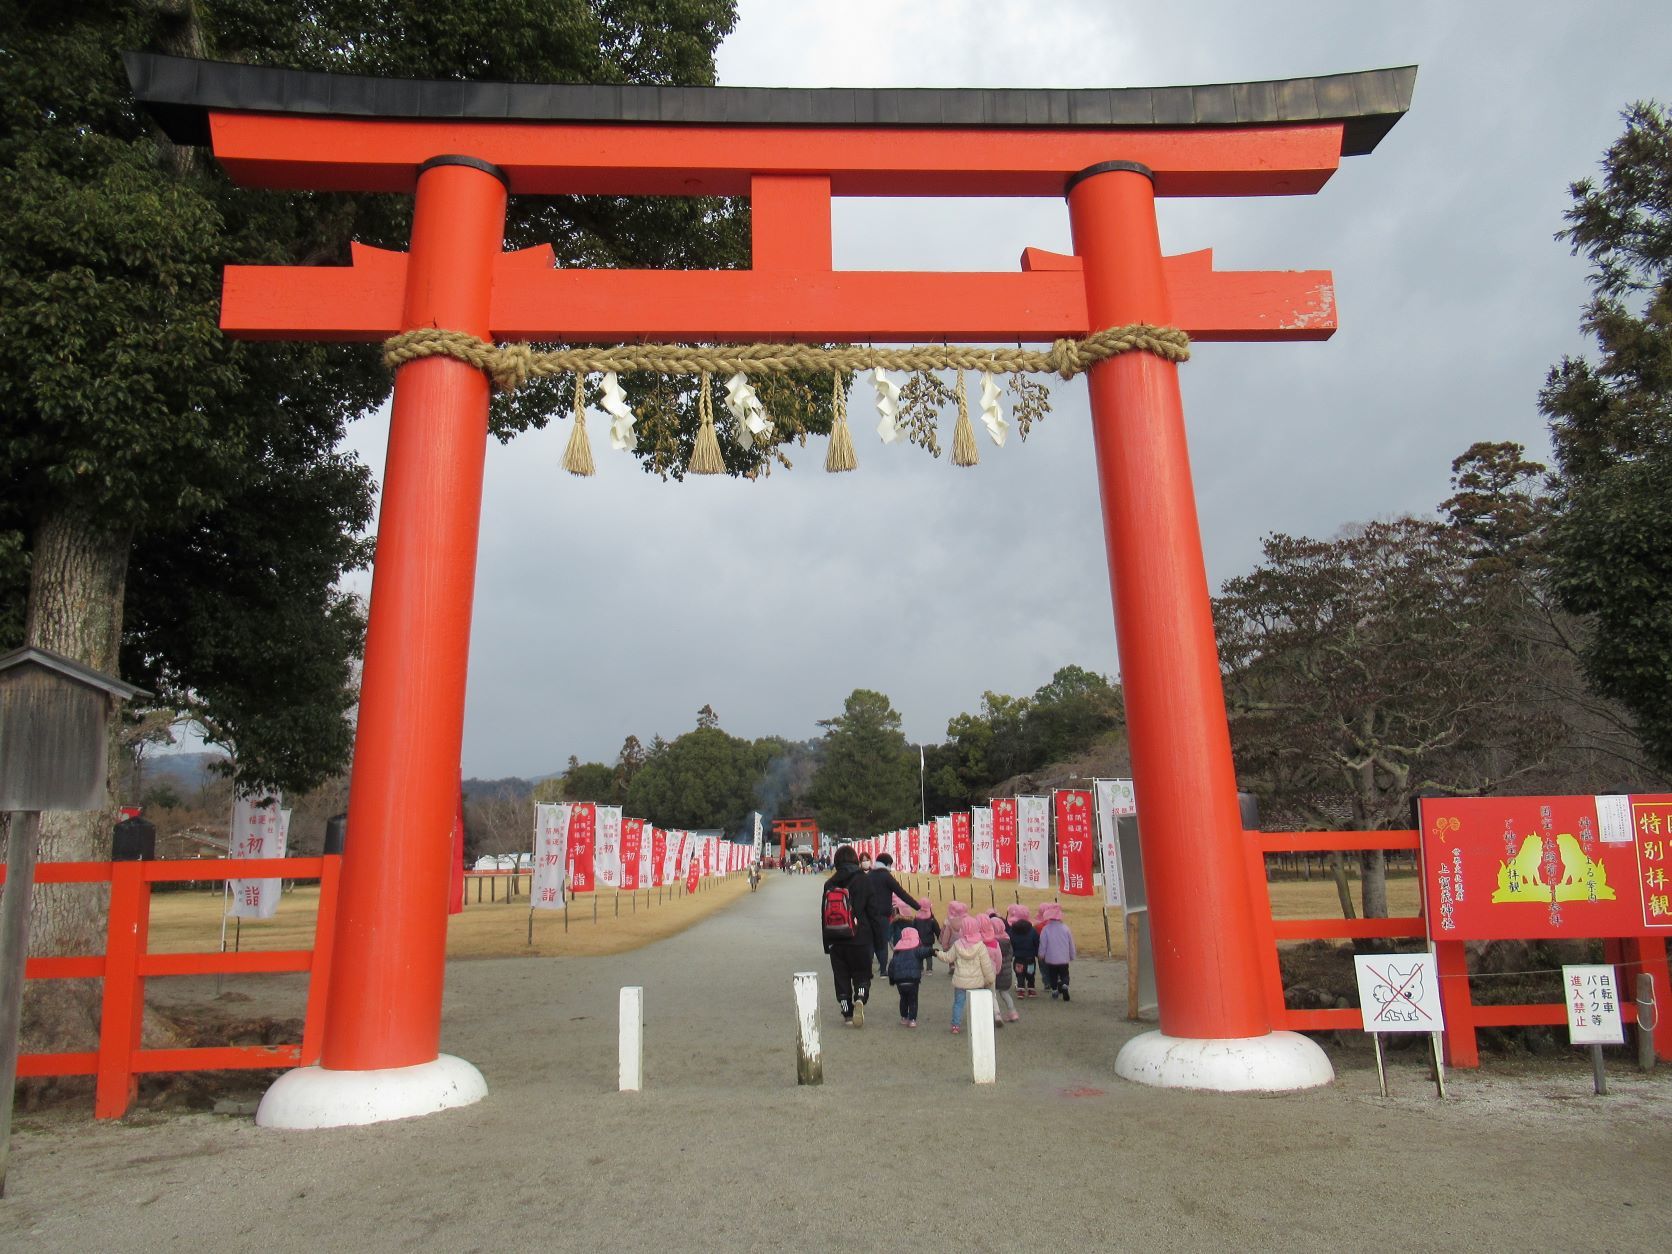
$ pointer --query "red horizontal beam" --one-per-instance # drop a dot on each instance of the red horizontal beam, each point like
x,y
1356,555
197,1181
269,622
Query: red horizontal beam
x,y
218,1058
534,301
57,1064
631,159
1310,929
255,962
64,968
1327,842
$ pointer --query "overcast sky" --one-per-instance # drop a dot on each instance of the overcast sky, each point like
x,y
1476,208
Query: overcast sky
x,y
621,604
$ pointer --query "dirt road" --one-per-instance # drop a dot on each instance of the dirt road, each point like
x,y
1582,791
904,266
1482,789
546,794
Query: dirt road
x,y
896,1151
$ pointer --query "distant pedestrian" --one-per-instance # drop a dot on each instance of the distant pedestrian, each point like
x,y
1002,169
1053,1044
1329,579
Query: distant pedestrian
x,y
1056,949
845,920
905,973
971,965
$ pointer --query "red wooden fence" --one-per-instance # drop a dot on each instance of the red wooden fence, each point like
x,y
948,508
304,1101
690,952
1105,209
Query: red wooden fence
x,y
1463,1016
127,963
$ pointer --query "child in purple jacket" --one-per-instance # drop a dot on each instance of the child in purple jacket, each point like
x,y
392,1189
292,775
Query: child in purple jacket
x,y
1056,949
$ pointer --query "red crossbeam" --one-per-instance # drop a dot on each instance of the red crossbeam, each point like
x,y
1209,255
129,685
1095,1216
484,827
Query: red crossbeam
x,y
628,159
534,301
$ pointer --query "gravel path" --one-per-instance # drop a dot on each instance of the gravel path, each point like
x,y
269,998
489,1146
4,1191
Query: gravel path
x,y
896,1151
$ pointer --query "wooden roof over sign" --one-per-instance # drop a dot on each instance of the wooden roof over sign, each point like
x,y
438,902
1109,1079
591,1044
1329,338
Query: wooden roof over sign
x,y
181,92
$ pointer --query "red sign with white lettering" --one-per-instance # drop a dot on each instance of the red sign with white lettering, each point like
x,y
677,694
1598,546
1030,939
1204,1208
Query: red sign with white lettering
x,y
961,849
1530,868
632,845
583,830
1074,841
1004,838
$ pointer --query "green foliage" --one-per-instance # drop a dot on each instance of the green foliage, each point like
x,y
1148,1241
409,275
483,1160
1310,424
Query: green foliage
x,y
1611,427
702,779
867,774
590,781
121,402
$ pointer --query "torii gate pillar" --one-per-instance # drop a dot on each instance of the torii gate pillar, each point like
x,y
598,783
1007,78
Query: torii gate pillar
x,y
1215,1030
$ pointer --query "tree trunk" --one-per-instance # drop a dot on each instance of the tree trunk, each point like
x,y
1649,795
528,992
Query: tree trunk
x,y
1373,865
78,572
1343,890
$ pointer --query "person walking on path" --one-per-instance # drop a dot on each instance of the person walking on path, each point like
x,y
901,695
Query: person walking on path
x,y
905,973
884,889
845,919
971,965
1056,949
1004,974
1024,943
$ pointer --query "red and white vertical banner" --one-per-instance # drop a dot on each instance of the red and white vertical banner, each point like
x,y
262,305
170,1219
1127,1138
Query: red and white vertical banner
x,y
758,847
1075,840
551,846
681,855
707,856
658,857
961,844
694,871
1004,838
646,858
1115,801
920,850
632,845
940,846
259,830
1033,842
981,842
583,834
606,861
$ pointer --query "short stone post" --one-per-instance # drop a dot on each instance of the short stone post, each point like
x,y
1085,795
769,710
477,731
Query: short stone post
x,y
809,1065
632,1039
983,1051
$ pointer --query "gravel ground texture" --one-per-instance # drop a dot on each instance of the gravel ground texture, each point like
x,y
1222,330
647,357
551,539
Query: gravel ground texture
x,y
897,1150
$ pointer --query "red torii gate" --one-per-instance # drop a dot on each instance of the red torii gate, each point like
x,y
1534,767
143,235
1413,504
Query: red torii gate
x,y
461,148
787,830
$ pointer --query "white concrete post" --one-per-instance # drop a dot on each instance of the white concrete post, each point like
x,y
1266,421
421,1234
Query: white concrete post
x,y
632,1039
983,1054
809,1066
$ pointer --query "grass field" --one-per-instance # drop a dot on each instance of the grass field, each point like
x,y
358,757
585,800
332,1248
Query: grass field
x,y
187,922
190,922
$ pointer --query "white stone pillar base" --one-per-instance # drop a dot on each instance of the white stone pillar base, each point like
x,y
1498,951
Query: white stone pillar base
x,y
1276,1062
314,1097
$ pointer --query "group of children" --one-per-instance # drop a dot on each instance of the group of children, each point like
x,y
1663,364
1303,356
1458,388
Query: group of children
x,y
981,951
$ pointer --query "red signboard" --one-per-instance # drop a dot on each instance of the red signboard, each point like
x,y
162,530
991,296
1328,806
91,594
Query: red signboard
x,y
934,847
1528,868
694,871
961,850
658,855
583,827
1004,838
1074,841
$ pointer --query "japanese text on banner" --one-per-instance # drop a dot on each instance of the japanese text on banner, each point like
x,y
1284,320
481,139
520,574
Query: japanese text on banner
x,y
1033,852
258,831
1074,841
551,834
1115,801
583,826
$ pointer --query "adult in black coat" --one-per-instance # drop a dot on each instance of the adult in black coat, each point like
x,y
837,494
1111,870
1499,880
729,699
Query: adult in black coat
x,y
884,889
850,957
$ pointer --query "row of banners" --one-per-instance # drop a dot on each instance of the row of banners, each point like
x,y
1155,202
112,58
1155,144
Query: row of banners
x,y
1011,839
581,846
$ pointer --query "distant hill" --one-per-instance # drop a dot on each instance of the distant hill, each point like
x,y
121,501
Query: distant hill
x,y
187,772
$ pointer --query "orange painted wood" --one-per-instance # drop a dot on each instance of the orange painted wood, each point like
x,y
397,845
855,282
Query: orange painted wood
x,y
217,1058
1265,938
1452,962
1412,928
1326,842
123,1007
188,871
319,978
90,968
789,222
254,962
57,1064
774,303
552,158
384,1001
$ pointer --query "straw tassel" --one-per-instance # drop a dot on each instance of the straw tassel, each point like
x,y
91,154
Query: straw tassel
x,y
964,451
577,458
840,457
705,455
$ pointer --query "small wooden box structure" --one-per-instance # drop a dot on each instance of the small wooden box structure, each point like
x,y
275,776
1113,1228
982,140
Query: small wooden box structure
x,y
54,729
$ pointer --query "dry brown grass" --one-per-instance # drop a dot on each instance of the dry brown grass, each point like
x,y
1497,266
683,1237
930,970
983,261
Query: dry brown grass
x,y
191,922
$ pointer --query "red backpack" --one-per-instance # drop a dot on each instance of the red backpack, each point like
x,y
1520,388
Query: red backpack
x,y
837,915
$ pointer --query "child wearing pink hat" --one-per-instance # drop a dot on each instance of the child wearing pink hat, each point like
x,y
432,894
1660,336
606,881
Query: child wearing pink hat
x,y
905,973
956,913
1024,948
1003,976
928,928
971,964
1056,949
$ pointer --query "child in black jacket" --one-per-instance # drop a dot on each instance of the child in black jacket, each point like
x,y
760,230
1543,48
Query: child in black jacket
x,y
905,973
1024,944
